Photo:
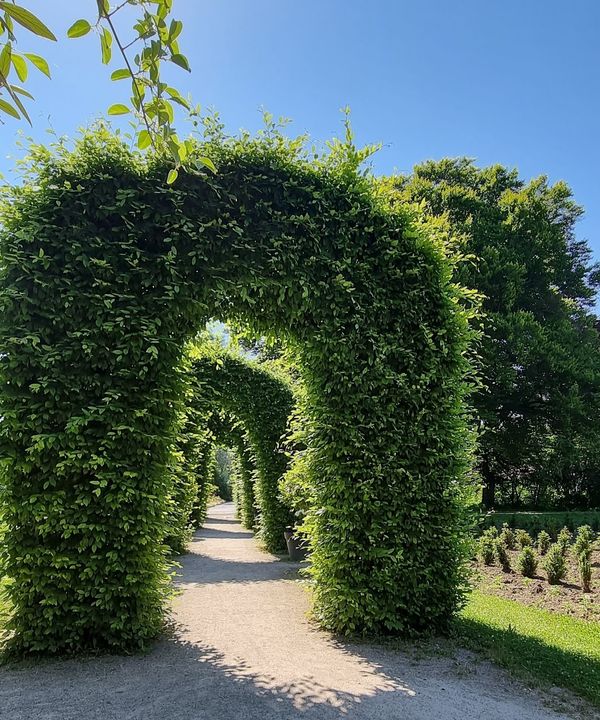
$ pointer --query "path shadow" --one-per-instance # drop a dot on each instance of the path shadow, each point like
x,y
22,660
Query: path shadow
x,y
179,680
201,569
183,680
210,531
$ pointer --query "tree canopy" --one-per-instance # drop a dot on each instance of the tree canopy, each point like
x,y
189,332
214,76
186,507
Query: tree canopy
x,y
539,403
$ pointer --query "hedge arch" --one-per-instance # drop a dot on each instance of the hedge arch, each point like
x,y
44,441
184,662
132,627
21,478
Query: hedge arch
x,y
231,432
262,402
107,272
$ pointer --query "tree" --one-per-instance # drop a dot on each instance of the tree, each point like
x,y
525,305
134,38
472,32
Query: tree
x,y
539,405
154,41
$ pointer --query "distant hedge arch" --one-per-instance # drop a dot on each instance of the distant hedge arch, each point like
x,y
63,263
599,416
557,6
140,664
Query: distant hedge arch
x,y
107,272
230,431
262,402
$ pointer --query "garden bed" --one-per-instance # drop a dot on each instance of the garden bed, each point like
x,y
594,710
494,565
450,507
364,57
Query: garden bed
x,y
566,598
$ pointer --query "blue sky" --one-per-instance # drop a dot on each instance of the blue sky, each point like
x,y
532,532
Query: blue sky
x,y
509,81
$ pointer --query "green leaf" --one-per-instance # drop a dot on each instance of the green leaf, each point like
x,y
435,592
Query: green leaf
x,y
27,19
172,176
166,109
79,28
22,91
175,95
207,162
5,60
175,29
9,109
106,40
38,62
118,109
181,60
20,66
122,74
144,140
21,107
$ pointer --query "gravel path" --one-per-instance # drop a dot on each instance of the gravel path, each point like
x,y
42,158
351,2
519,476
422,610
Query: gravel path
x,y
244,649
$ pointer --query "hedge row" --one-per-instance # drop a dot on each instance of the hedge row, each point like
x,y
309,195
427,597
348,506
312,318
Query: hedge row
x,y
551,522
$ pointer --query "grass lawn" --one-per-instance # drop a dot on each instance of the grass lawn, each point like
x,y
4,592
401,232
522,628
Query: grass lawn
x,y
534,644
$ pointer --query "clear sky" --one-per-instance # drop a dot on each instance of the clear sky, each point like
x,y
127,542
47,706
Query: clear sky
x,y
504,81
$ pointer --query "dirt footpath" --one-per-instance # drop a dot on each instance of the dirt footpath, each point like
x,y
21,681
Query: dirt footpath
x,y
244,649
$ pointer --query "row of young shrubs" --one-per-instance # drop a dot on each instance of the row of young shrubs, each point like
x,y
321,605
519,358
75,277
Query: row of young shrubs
x,y
494,546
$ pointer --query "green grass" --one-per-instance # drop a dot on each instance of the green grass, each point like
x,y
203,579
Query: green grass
x,y
534,644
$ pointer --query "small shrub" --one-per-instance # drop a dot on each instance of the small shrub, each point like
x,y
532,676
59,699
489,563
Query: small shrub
x,y
584,566
502,555
508,537
564,539
492,532
543,542
583,541
486,550
523,538
555,565
527,561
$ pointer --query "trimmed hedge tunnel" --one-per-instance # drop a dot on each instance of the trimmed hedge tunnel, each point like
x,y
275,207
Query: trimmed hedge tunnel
x,y
107,273
262,403
227,430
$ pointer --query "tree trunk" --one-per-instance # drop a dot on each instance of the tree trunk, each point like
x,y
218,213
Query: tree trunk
x,y
488,495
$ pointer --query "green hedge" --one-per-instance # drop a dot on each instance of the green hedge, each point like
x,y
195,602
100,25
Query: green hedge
x,y
551,522
243,484
262,403
190,467
226,429
106,274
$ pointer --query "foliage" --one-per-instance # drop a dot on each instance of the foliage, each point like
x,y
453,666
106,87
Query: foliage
x,y
152,103
564,539
534,644
523,538
583,541
527,561
188,466
155,41
508,537
106,274
539,403
554,564
261,402
246,498
551,522
584,565
296,487
543,542
223,471
487,549
502,555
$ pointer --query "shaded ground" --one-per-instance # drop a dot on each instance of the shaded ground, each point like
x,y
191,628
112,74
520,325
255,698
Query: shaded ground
x,y
244,649
566,598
